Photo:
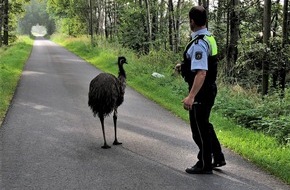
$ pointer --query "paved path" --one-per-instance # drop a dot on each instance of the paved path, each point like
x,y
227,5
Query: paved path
x,y
50,139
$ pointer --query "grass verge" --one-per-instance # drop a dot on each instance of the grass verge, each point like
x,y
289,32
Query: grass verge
x,y
13,58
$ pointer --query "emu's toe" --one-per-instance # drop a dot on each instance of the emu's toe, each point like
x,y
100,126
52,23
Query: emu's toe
x,y
116,143
106,146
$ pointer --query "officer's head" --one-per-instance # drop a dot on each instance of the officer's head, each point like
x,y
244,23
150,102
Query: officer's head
x,y
198,16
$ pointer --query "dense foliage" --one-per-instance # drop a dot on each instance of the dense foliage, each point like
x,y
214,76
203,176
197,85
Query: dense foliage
x,y
270,115
35,14
10,11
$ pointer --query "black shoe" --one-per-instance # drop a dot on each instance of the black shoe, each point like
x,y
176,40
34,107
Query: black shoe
x,y
218,164
197,170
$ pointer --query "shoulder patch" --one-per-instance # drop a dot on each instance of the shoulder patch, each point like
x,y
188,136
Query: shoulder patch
x,y
198,55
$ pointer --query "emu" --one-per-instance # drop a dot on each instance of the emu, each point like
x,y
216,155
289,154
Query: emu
x,y
106,94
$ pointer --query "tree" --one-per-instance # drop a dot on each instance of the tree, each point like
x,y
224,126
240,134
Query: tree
x,y
282,69
177,14
171,25
178,23
35,13
285,23
232,50
266,37
5,22
9,11
72,15
149,23
132,31
1,20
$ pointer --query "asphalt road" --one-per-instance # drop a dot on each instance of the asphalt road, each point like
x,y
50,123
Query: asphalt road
x,y
50,139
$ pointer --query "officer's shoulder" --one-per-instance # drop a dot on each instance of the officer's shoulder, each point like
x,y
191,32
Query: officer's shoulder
x,y
202,42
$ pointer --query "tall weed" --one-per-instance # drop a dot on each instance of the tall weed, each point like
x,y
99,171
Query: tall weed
x,y
269,114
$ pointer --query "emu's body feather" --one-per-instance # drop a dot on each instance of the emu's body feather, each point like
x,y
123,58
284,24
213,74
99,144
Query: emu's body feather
x,y
106,94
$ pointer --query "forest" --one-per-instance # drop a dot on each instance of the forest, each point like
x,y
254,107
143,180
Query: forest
x,y
252,36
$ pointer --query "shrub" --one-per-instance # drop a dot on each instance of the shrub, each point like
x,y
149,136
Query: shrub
x,y
270,114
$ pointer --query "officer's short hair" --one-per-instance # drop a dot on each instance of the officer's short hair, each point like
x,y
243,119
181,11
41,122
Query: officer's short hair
x,y
199,15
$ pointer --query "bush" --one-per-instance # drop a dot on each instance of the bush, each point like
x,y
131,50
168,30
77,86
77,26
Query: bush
x,y
270,114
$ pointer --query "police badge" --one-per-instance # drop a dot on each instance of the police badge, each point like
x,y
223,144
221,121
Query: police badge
x,y
198,55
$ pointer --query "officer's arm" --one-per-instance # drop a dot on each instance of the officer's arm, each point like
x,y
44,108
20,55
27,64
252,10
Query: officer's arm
x,y
197,83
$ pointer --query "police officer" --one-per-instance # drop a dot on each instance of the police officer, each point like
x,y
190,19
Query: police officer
x,y
199,70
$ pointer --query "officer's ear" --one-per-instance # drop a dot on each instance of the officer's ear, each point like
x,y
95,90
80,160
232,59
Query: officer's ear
x,y
191,21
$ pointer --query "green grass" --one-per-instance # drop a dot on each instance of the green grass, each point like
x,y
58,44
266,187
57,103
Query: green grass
x,y
260,149
13,58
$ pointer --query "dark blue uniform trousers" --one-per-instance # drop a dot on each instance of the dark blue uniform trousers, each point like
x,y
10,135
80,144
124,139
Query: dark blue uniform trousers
x,y
202,130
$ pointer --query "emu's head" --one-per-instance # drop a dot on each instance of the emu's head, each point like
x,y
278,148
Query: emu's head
x,y
122,60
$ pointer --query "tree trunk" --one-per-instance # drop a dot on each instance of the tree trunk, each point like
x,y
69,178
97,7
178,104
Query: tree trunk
x,y
285,21
232,51
6,22
106,11
171,25
205,4
149,23
275,70
155,29
266,37
100,20
177,24
275,20
116,17
109,19
1,21
163,23
219,31
282,78
91,23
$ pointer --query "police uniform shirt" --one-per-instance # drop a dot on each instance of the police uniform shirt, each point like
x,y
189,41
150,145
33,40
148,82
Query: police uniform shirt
x,y
199,51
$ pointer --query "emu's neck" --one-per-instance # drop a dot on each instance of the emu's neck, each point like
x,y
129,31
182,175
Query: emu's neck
x,y
122,79
122,73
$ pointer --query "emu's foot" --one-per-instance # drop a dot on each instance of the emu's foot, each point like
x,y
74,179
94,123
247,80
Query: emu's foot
x,y
106,146
116,142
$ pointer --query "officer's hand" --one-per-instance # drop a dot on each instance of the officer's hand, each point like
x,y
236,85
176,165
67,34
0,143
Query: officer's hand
x,y
187,103
177,68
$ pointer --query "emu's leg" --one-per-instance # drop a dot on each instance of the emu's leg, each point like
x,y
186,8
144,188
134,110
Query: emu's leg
x,y
106,146
115,127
